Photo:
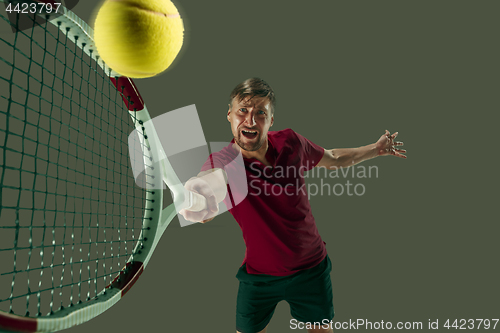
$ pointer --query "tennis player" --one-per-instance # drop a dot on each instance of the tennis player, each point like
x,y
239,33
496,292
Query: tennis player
x,y
285,258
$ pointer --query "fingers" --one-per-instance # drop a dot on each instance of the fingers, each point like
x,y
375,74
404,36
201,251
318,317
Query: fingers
x,y
388,146
200,186
212,204
202,216
399,155
398,152
194,216
208,220
389,136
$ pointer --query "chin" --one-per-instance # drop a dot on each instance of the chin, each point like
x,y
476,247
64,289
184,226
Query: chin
x,y
249,147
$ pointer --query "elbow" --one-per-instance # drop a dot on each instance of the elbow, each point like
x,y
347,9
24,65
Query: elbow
x,y
338,160
330,160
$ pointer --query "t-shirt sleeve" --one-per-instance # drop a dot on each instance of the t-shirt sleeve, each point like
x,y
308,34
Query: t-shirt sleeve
x,y
311,152
212,162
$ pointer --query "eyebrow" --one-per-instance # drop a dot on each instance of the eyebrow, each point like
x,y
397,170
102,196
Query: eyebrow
x,y
247,104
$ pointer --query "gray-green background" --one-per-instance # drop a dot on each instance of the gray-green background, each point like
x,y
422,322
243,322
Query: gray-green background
x,y
423,242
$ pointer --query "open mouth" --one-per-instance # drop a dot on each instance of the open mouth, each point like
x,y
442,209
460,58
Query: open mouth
x,y
249,134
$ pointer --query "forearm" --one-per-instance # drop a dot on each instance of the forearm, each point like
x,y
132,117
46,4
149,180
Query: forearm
x,y
345,157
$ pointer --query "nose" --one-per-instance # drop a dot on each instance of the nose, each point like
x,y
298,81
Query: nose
x,y
250,119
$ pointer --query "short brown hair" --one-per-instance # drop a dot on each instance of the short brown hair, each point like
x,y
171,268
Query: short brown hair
x,y
253,87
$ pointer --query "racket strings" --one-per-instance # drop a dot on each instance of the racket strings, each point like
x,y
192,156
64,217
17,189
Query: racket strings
x,y
71,214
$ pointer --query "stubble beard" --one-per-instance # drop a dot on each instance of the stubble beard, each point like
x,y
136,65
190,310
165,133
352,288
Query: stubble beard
x,y
249,147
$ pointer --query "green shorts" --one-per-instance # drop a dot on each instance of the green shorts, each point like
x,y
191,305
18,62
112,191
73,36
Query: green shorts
x,y
308,292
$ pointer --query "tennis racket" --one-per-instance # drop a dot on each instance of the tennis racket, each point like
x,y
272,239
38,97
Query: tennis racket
x,y
76,230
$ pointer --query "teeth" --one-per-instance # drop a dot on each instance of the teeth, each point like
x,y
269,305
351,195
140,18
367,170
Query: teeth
x,y
251,132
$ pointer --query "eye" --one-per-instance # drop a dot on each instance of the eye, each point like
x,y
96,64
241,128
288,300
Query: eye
x,y
243,110
262,112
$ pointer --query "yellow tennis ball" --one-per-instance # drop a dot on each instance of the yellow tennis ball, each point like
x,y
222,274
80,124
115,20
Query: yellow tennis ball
x,y
138,38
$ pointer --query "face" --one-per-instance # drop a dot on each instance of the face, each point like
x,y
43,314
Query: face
x,y
250,121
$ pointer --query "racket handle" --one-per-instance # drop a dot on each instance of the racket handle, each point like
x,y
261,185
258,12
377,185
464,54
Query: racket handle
x,y
197,202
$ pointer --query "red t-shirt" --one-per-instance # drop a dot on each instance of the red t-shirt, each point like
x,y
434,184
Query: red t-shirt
x,y
275,216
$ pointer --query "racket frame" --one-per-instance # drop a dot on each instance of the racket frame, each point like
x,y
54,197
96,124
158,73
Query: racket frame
x,y
156,219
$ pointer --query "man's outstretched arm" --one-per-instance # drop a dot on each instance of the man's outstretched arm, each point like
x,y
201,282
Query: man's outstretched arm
x,y
345,157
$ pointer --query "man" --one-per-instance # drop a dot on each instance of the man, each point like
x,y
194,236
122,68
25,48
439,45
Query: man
x,y
285,258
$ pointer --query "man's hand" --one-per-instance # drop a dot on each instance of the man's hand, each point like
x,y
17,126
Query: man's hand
x,y
387,146
198,185
212,185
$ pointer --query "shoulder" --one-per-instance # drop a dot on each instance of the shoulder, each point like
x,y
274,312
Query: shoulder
x,y
289,137
283,135
226,153
219,159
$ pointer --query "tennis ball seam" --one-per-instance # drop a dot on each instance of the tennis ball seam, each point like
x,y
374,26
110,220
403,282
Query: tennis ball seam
x,y
138,6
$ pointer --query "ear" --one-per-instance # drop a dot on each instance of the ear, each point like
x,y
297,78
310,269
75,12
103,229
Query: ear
x,y
272,121
228,113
